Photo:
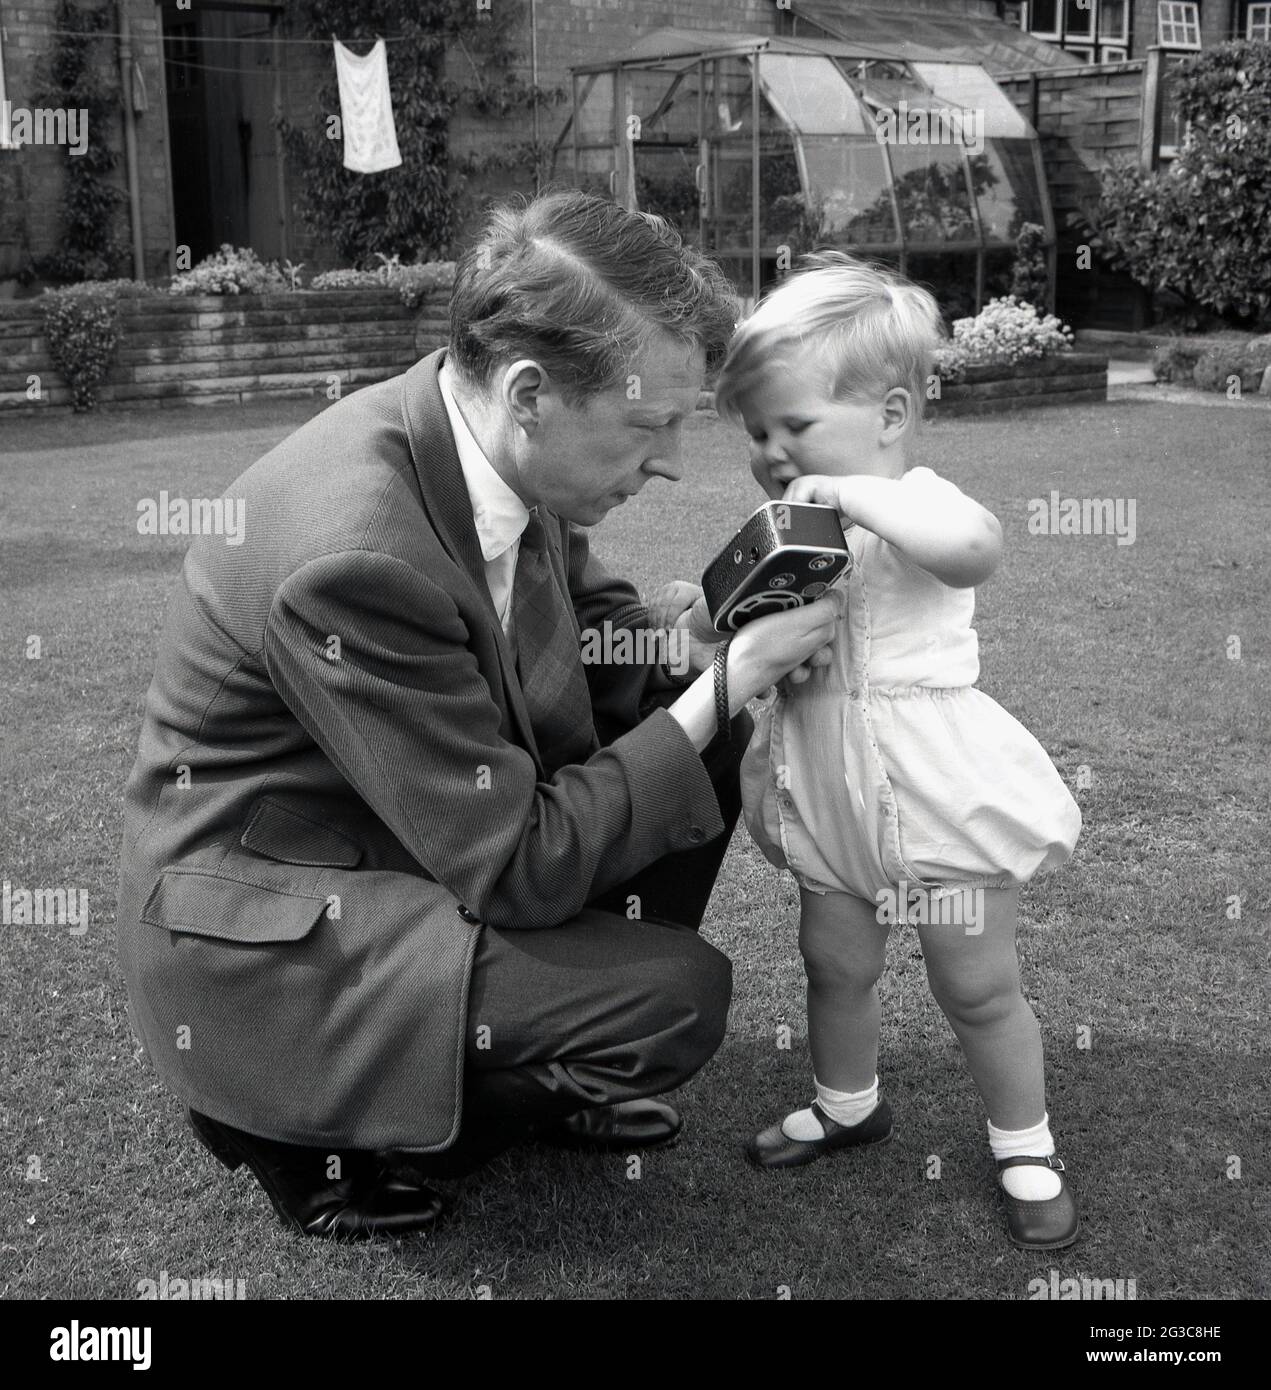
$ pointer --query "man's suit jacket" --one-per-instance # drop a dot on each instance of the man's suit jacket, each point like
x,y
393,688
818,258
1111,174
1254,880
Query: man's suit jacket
x,y
337,779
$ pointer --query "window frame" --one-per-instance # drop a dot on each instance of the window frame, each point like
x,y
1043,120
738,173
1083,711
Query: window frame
x,y
1184,14
1264,20
1107,51
1123,38
1058,31
1088,33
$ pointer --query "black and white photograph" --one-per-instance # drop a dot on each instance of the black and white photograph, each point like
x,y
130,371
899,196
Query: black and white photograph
x,y
634,651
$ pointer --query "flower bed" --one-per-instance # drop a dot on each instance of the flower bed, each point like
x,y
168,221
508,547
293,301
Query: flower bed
x,y
217,349
1063,379
1009,356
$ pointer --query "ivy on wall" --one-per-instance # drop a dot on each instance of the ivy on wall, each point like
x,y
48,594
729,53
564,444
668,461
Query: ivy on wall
x,y
76,78
411,211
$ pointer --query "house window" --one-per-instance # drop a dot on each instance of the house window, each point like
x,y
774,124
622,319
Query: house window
x,y
1109,54
1177,25
1079,19
1043,19
1257,23
1083,27
1114,22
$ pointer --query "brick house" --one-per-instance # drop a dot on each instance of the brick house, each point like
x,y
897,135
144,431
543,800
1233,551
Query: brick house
x,y
205,79
1110,31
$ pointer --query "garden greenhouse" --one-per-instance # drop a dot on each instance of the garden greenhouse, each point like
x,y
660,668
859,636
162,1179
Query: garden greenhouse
x,y
887,151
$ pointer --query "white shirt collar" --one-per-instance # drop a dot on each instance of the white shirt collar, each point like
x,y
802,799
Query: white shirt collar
x,y
499,514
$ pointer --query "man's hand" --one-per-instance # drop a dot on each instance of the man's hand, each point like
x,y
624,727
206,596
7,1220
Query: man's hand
x,y
678,604
780,646
670,601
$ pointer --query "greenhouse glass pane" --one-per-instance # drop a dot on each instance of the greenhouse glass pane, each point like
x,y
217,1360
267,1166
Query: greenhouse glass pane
x,y
595,170
594,115
1005,182
951,279
882,82
665,184
849,192
667,110
728,114
781,211
931,193
810,95
999,273
972,89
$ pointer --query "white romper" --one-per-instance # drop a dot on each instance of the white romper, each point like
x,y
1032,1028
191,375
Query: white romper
x,y
888,764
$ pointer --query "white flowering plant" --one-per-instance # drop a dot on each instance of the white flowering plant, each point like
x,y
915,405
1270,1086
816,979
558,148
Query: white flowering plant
x,y
412,282
231,270
1005,331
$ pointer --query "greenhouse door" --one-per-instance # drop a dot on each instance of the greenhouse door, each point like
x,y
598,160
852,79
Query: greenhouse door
x,y
666,145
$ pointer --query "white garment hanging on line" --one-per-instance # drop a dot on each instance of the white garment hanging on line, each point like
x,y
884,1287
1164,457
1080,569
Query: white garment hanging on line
x,y
366,110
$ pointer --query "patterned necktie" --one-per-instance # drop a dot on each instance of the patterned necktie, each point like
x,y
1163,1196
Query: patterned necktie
x,y
548,658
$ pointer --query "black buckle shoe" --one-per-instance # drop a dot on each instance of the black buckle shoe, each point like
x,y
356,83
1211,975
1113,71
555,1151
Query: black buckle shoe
x,y
1049,1224
775,1149
367,1199
629,1124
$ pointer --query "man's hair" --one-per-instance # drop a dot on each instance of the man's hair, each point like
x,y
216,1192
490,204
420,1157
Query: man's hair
x,y
580,285
868,329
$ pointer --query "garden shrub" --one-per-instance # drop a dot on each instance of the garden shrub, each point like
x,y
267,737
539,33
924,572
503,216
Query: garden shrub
x,y
81,326
231,270
1030,275
1221,363
1201,227
412,282
1175,361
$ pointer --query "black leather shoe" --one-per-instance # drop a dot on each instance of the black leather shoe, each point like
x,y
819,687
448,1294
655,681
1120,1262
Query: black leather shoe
x,y
630,1124
1046,1225
775,1149
365,1200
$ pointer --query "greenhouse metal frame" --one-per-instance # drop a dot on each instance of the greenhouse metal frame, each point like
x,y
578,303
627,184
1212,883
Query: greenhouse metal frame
x,y
837,157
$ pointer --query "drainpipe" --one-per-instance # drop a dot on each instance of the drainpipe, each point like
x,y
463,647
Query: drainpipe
x,y
130,140
538,181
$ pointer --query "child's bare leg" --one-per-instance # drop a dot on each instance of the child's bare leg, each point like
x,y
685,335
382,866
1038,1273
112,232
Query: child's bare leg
x,y
974,976
843,947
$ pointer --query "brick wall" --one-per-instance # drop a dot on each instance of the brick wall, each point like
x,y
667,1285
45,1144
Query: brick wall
x,y
209,349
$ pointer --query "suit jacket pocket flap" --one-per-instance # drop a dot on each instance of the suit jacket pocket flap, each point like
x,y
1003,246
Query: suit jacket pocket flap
x,y
230,909
280,833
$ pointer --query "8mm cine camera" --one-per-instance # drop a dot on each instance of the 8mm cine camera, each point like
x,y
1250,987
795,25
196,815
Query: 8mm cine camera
x,y
786,555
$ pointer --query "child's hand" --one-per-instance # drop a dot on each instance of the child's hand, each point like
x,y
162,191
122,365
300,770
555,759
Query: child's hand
x,y
828,492
939,528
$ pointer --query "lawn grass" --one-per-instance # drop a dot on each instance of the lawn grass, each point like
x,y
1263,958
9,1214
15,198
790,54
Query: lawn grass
x,y
1116,658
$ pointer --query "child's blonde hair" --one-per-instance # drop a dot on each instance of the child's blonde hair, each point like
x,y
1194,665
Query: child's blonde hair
x,y
869,328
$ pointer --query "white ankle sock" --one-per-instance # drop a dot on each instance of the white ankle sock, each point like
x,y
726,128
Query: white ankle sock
x,y
1027,1183
843,1107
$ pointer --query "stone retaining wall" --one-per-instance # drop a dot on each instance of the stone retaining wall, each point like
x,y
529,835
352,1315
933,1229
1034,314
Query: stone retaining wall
x,y
1060,380
227,349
